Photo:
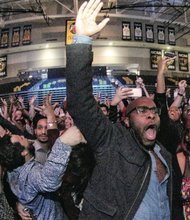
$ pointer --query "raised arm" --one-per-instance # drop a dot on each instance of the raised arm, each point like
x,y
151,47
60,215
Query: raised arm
x,y
140,84
81,103
32,107
52,129
181,91
121,93
162,67
50,177
22,106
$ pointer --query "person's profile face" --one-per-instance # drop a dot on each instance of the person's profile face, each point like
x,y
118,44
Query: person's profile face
x,y
68,121
174,113
186,112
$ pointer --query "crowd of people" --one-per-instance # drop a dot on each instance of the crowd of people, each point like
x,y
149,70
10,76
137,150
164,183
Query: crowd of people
x,y
91,159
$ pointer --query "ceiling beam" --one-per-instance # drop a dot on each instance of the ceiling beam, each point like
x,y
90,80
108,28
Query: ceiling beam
x,y
63,5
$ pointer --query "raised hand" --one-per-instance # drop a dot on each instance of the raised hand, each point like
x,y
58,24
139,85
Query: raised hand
x,y
32,100
21,99
72,136
121,93
47,108
4,102
12,99
139,82
182,85
163,64
86,18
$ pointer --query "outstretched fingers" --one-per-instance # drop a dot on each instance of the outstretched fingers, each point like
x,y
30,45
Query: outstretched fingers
x,y
96,8
90,7
103,23
86,18
81,10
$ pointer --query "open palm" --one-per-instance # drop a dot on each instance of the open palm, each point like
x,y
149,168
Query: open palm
x,y
86,18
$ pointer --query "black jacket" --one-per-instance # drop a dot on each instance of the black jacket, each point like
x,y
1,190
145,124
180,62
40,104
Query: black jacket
x,y
121,176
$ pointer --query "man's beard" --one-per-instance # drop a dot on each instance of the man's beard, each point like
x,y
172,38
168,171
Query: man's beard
x,y
140,139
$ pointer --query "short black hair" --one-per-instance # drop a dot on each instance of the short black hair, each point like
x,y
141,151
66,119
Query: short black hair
x,y
102,105
22,121
10,153
36,118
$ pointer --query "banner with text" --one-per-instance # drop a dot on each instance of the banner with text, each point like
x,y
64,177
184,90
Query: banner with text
x,y
149,33
183,61
4,38
171,36
70,31
27,35
3,66
155,56
15,42
138,33
172,64
161,34
126,30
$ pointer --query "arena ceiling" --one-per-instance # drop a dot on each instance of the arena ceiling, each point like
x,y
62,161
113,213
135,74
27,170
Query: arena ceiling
x,y
166,11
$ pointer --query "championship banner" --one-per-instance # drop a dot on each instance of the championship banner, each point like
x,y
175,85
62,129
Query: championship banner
x,y
171,36
70,31
172,63
149,33
3,66
15,42
161,34
27,34
183,61
4,38
138,34
126,30
155,56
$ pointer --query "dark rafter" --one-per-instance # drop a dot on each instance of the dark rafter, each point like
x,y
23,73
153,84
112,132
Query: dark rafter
x,y
143,5
16,10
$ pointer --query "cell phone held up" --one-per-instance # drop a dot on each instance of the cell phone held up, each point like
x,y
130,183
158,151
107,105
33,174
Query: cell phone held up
x,y
170,54
136,92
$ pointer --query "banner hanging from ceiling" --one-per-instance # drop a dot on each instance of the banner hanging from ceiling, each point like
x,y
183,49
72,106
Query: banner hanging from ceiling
x,y
15,41
183,61
155,56
138,33
4,38
126,30
3,66
161,34
70,31
171,36
27,35
149,29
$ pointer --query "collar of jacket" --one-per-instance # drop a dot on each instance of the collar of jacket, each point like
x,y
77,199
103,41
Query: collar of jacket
x,y
131,149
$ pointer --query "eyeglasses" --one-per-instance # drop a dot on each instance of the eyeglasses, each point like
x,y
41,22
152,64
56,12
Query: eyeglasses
x,y
143,110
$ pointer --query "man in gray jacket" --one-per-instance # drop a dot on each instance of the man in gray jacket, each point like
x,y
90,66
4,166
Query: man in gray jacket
x,y
132,178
